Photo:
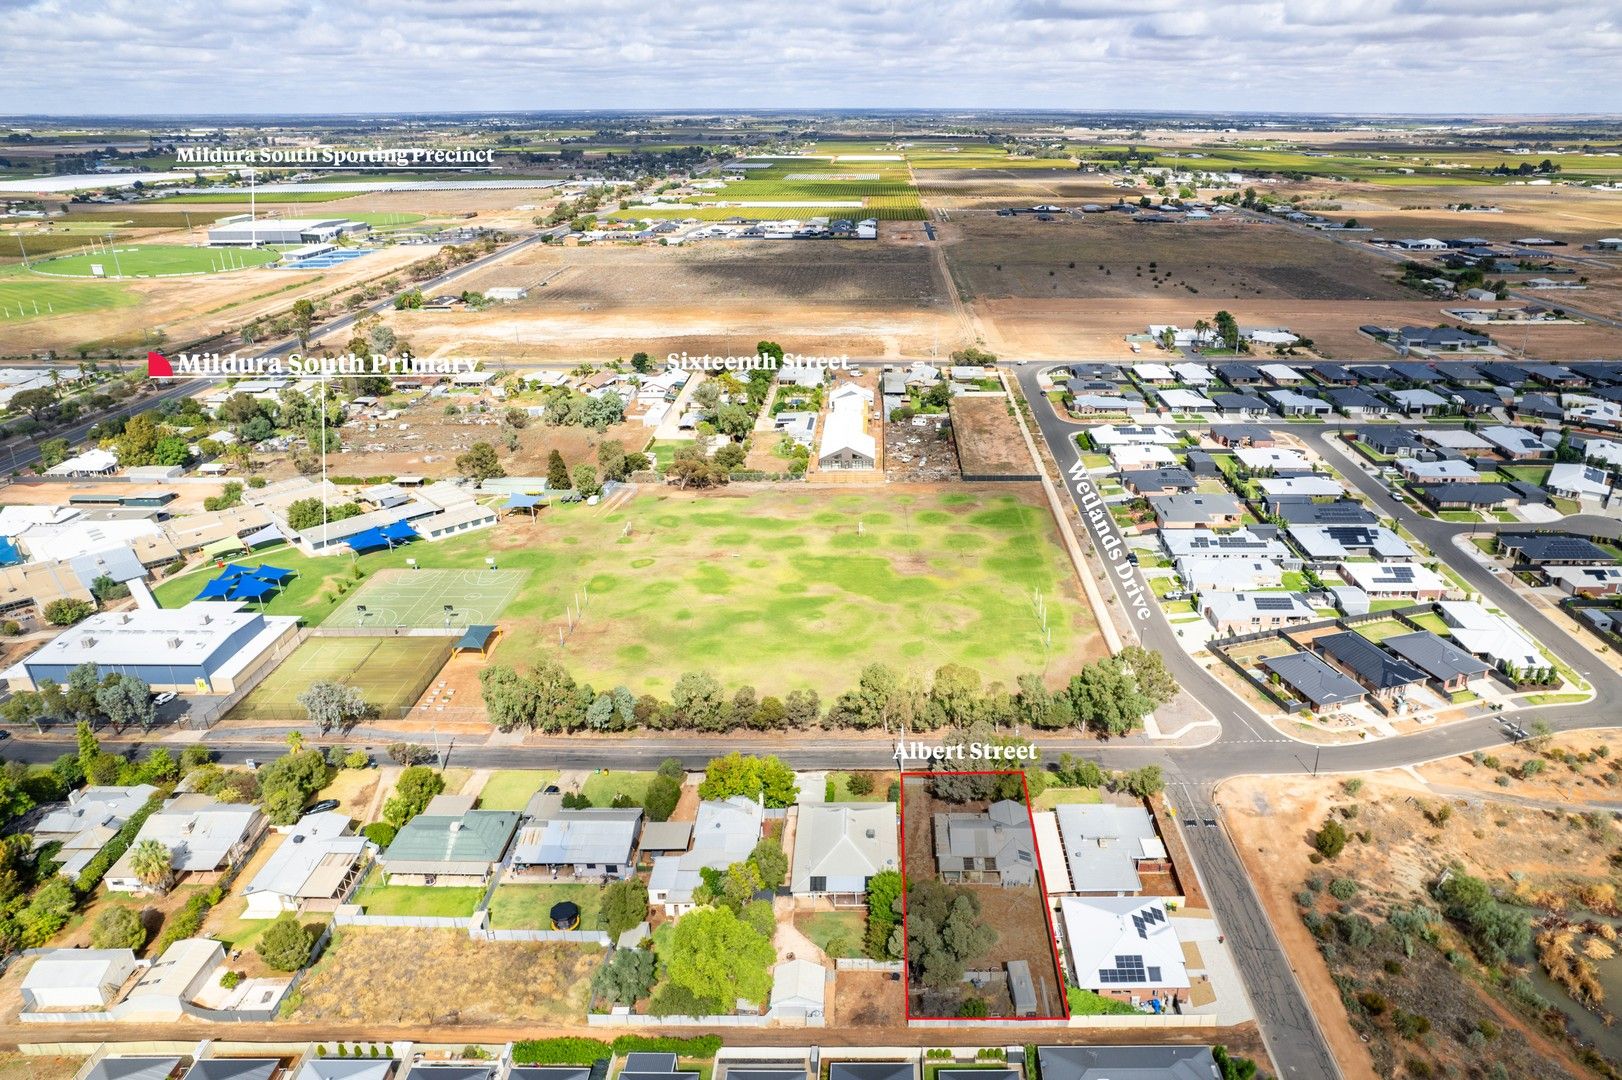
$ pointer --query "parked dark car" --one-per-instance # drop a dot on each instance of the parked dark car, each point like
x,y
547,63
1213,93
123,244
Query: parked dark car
x,y
321,807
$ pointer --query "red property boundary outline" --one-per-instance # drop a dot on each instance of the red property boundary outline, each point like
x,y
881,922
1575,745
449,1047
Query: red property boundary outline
x,y
1041,884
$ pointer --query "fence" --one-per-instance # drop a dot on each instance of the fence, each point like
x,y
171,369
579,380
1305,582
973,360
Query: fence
x,y
206,718
470,923
639,1020
862,963
587,937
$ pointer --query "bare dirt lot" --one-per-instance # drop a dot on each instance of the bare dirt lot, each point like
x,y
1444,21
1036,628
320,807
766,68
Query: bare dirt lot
x,y
989,443
1369,978
407,976
1110,255
824,297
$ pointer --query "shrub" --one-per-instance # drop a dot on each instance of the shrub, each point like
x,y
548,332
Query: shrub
x,y
380,833
1343,888
1410,1025
1373,1002
118,928
860,783
560,1051
1331,839
285,945
232,979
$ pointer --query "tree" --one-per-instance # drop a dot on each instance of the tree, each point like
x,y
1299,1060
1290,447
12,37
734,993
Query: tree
x,y
557,472
663,795
769,859
697,699
285,945
480,463
611,461
711,949
944,932
1330,840
624,905
333,705
89,748
67,610
126,700
303,320
627,978
641,363
287,783
884,915
118,928
1227,328
153,864
412,792
585,480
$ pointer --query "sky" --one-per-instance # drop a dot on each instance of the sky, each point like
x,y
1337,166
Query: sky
x,y
1461,57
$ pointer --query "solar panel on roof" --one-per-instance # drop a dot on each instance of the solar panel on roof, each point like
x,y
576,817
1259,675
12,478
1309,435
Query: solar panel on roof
x,y
1274,603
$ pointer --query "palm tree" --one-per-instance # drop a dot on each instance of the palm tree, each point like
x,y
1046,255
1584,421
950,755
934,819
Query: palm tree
x,y
153,864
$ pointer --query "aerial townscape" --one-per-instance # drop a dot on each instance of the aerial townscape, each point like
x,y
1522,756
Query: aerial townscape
x,y
508,572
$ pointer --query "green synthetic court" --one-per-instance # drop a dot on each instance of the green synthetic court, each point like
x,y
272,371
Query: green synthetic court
x,y
418,599
122,260
390,672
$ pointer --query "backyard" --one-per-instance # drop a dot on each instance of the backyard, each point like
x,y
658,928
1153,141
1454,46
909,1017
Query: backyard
x,y
529,907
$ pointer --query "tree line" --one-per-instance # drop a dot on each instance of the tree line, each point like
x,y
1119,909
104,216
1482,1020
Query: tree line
x,y
1109,697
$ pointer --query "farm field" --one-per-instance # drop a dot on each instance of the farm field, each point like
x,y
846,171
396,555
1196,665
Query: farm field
x,y
263,196
389,672
871,184
857,297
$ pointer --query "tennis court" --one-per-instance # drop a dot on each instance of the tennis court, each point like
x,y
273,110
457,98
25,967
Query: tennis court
x,y
420,598
390,673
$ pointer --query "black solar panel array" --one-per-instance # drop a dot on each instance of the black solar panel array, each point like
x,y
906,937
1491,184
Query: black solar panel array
x,y
1127,969
1274,603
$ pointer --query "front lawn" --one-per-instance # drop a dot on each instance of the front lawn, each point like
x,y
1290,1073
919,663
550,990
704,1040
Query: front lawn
x,y
1060,796
880,792
603,786
529,907
840,934
510,789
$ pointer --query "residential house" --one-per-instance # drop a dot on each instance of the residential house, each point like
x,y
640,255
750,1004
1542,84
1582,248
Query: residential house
x,y
1273,461
1328,544
1339,512
1398,442
1313,681
1451,668
1130,457
1240,406
1185,401
1446,471
1107,435
1277,489
1456,440
1251,612
591,843
1492,637
1457,495
838,847
1125,1063
1575,480
1539,407
312,869
1199,511
1356,403
450,848
86,823
846,443
726,831
995,846
1438,339
1388,581
1123,947
1203,574
1194,374
1107,848
1106,405
1515,443
1419,402
1587,581
1158,481
1551,549
1246,543
1295,403
1154,374
1282,375
1235,435
204,836
1237,375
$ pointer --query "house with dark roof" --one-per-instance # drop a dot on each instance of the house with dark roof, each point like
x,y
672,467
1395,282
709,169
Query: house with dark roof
x,y
1503,374
1356,403
1471,402
1236,435
1125,1063
1551,549
1334,375
872,1070
1539,407
1214,511
1450,667
1338,512
1387,677
1438,339
1239,374
1312,680
1239,406
1464,495
1391,441
1174,481
449,849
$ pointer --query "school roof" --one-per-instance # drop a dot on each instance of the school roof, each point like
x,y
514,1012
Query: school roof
x,y
187,636
1313,679
1436,656
1122,943
1125,1062
837,840
1103,844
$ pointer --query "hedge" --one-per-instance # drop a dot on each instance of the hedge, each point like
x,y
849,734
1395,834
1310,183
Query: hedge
x,y
97,867
699,1046
560,1051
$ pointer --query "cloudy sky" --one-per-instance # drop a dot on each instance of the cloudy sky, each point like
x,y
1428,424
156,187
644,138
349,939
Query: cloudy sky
x,y
213,56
